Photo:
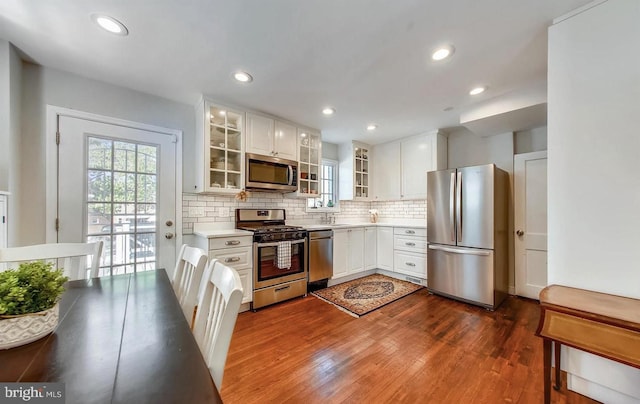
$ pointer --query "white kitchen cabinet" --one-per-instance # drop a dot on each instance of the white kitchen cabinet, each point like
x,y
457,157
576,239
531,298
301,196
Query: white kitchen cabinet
x,y
370,247
260,134
386,171
285,139
235,252
341,258
219,156
309,163
269,137
401,167
354,171
410,251
384,250
348,251
356,250
420,154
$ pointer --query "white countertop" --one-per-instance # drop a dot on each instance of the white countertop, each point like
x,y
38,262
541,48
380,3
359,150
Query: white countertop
x,y
218,230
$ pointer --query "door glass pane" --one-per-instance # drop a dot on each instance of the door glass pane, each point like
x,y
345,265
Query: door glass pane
x,y
121,200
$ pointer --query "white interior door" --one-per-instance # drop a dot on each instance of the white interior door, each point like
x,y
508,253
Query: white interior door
x,y
117,184
530,170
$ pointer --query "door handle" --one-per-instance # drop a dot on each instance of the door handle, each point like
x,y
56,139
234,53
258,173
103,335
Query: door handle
x,y
452,205
459,205
232,259
410,244
520,233
232,242
168,236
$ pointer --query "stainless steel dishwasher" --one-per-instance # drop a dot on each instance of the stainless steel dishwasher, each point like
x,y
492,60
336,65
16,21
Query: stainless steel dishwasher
x,y
320,257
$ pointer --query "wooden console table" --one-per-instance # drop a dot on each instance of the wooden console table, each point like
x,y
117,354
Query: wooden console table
x,y
602,324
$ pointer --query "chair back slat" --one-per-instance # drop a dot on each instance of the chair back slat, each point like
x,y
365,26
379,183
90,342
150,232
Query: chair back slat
x,y
187,277
75,258
219,302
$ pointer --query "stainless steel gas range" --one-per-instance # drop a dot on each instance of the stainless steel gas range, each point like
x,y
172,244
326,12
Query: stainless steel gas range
x,y
280,262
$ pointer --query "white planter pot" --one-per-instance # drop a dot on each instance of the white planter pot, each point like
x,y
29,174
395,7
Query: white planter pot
x,y
26,328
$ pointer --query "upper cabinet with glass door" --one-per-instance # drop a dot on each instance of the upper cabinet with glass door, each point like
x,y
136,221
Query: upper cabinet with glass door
x,y
355,171
220,168
310,157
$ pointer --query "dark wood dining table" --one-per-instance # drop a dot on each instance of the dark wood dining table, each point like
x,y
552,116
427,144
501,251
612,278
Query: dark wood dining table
x,y
120,339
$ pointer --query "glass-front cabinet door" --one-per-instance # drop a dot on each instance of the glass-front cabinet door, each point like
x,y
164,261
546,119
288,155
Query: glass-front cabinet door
x,y
222,143
310,156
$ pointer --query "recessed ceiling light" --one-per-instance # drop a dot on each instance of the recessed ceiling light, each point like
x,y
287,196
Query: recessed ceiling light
x,y
329,111
443,52
110,24
372,126
243,77
477,90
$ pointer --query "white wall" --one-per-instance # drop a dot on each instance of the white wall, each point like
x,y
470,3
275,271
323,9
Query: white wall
x,y
42,86
593,171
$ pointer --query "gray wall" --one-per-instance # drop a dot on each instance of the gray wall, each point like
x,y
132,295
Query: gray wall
x,y
329,151
464,148
5,113
531,140
45,86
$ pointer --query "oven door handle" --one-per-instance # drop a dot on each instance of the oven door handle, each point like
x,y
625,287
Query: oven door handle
x,y
276,243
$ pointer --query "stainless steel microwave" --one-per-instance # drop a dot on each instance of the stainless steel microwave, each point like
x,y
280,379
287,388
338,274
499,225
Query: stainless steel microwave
x,y
270,173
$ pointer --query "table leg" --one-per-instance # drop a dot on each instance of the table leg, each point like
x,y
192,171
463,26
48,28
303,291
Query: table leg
x,y
546,348
557,346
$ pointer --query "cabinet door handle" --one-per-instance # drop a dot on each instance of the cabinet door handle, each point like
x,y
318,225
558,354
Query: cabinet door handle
x,y
232,242
410,264
410,244
232,259
409,232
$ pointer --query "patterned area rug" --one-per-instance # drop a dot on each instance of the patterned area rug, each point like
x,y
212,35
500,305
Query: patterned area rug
x,y
363,295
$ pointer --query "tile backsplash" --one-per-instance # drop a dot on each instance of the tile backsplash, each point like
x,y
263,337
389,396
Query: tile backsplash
x,y
199,208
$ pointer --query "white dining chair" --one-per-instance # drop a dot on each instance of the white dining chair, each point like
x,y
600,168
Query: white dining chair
x,y
187,277
76,259
216,316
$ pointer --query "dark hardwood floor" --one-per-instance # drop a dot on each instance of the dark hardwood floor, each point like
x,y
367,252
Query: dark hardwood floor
x,y
419,349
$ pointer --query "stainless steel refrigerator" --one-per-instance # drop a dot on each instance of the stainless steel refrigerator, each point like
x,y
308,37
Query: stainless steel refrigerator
x,y
467,234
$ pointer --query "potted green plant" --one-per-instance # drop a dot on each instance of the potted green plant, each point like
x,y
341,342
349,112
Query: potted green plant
x,y
29,302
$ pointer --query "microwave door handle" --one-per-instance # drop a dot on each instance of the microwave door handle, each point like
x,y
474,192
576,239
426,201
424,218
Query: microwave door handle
x,y
290,182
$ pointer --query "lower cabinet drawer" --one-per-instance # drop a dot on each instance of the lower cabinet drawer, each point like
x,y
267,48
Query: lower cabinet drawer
x,y
278,293
233,257
410,263
407,243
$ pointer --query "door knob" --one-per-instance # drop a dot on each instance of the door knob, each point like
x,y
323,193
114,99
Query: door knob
x,y
168,236
520,233
169,223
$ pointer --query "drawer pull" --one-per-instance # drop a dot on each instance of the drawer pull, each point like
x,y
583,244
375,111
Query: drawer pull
x,y
410,264
410,232
410,244
232,259
282,288
232,242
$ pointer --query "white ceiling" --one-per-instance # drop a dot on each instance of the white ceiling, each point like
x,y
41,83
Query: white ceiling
x,y
370,59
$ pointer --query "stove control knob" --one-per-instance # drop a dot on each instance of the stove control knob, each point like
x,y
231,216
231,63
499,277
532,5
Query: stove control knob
x,y
301,235
267,237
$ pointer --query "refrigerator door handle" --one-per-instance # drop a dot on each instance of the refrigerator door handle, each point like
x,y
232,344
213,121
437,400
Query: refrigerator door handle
x,y
452,206
459,205
459,250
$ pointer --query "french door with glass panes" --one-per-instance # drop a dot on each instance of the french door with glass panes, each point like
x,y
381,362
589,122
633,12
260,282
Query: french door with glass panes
x,y
117,184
